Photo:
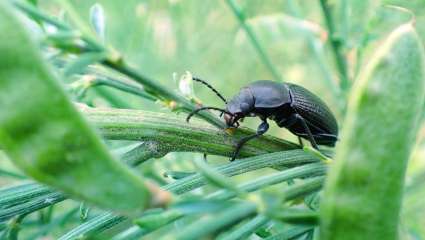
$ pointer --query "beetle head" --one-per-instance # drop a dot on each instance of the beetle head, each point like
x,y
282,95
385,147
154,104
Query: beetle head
x,y
232,120
239,107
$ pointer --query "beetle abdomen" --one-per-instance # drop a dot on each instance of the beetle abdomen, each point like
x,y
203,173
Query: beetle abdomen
x,y
313,110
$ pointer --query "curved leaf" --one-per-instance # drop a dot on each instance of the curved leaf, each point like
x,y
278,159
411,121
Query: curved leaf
x,y
45,135
364,189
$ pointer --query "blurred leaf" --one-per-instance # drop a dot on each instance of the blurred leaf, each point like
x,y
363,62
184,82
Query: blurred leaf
x,y
79,65
216,178
275,27
297,216
291,233
353,18
248,228
47,138
177,175
215,223
155,220
371,159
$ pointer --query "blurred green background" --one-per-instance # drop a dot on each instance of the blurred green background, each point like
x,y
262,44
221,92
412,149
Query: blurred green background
x,y
166,38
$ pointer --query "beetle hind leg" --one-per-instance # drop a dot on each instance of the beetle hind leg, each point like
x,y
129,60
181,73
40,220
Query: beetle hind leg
x,y
307,130
300,142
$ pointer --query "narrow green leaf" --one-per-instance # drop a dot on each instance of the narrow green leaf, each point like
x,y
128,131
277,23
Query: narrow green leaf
x,y
82,62
181,186
176,175
31,206
45,136
216,178
97,224
15,195
363,192
215,223
291,233
248,228
156,220
262,53
297,216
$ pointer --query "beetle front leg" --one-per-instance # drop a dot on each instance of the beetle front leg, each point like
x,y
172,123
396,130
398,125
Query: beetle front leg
x,y
262,128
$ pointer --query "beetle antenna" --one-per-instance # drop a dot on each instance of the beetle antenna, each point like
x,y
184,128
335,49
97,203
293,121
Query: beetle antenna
x,y
210,87
205,108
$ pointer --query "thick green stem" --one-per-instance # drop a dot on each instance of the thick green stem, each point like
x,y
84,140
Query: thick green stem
x,y
174,134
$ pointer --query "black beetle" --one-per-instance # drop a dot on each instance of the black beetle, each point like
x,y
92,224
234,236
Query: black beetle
x,y
289,105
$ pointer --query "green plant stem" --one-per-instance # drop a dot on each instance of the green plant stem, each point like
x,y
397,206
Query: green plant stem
x,y
239,211
235,168
248,228
132,233
98,223
31,206
251,35
123,86
291,233
144,151
110,97
115,62
336,46
11,174
309,170
287,158
155,89
297,216
54,224
223,219
14,227
35,13
22,193
173,134
316,47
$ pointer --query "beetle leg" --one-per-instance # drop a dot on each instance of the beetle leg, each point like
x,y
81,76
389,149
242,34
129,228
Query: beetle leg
x,y
300,142
307,129
262,128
